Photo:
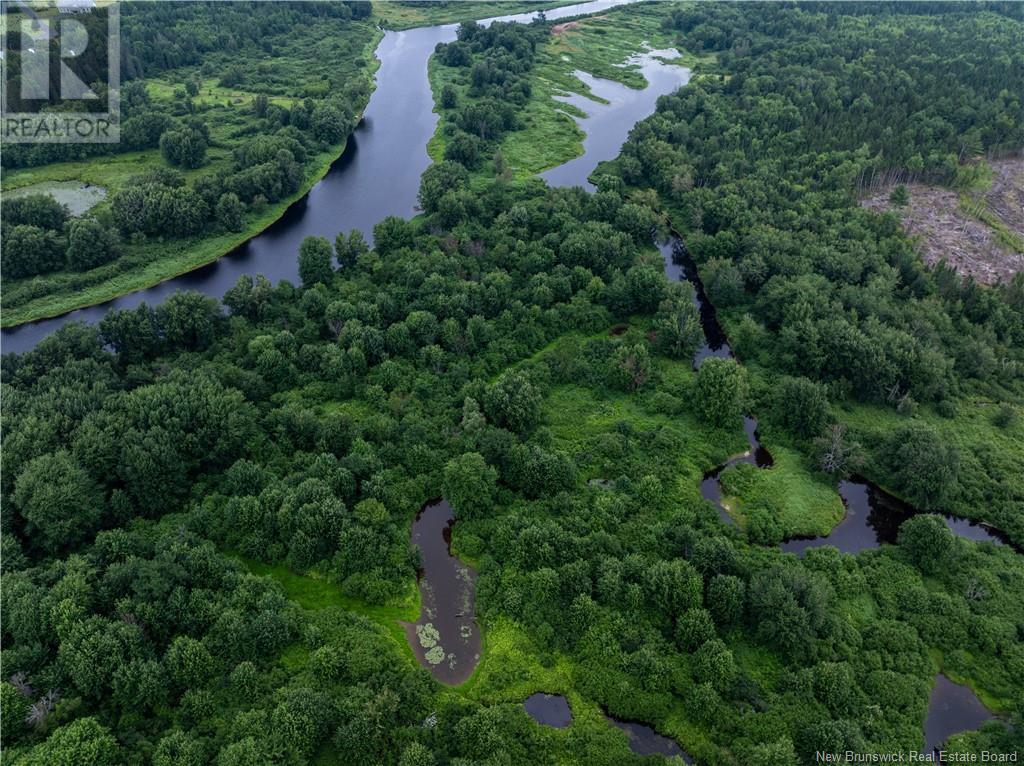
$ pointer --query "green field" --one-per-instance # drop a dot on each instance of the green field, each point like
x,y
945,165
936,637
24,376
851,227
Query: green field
x,y
399,15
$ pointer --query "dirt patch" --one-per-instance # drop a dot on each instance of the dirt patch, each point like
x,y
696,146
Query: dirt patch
x,y
969,231
561,29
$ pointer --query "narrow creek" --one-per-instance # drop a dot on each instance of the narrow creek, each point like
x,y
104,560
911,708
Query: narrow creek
x,y
553,710
446,638
873,516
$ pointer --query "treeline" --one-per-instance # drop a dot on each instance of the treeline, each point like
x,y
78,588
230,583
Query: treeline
x,y
499,59
40,237
163,36
761,170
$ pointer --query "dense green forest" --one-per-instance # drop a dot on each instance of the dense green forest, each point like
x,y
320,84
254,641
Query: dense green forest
x,y
206,505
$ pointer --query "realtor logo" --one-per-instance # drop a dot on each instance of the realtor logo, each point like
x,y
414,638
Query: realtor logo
x,y
61,64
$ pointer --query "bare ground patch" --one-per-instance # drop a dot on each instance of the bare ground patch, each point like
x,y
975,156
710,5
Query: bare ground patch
x,y
977,233
561,29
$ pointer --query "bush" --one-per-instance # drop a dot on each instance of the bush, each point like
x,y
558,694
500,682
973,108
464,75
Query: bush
x,y
90,244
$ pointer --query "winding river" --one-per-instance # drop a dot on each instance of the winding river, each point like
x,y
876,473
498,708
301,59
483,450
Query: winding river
x,y
377,176
379,173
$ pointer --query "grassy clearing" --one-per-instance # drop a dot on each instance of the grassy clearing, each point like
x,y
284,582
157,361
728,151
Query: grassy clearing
x,y
158,260
580,417
801,502
392,15
511,668
313,592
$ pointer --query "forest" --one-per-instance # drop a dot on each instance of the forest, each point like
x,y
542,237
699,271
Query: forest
x,y
206,505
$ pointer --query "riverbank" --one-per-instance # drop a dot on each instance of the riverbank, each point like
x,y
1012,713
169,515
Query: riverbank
x,y
172,258
401,17
150,263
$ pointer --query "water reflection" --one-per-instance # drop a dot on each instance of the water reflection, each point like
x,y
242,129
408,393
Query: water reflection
x,y
874,517
378,175
607,125
643,740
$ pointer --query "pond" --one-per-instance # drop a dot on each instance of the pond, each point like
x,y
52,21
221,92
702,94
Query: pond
x,y
549,709
952,708
446,638
79,197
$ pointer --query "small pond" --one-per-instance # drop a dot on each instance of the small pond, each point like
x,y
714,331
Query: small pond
x,y
643,740
549,709
79,197
445,639
952,708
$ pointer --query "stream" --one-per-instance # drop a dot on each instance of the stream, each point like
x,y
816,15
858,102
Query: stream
x,y
873,516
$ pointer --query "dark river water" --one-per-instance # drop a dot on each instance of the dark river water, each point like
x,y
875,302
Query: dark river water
x,y
873,517
379,173
643,740
445,639
553,710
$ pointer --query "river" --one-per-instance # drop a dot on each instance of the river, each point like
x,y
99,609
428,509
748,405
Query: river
x,y
379,173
